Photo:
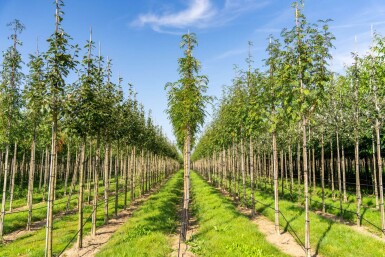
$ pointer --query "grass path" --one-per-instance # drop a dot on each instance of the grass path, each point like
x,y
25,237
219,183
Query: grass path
x,y
223,231
147,232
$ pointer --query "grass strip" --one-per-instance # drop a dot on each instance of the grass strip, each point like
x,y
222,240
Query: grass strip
x,y
147,231
223,231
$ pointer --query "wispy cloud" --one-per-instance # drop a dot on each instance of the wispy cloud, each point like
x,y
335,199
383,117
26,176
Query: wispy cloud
x,y
197,14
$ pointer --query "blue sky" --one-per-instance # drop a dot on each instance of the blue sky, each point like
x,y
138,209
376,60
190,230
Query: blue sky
x,y
142,37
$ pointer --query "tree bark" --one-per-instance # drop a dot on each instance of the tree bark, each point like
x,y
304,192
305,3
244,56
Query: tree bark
x,y
81,194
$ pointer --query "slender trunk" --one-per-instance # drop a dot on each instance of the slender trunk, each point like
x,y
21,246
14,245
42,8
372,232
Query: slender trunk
x,y
243,171
14,170
339,173
358,187
380,182
375,185
252,177
117,181
96,187
291,171
106,183
4,192
343,173
275,171
186,184
81,194
323,172
51,186
299,170
332,168
126,167
41,170
67,169
46,170
30,181
306,189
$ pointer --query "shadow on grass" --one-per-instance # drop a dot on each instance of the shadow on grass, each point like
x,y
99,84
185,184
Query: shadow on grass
x,y
323,237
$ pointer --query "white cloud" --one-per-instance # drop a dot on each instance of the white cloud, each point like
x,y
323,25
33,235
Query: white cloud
x,y
199,14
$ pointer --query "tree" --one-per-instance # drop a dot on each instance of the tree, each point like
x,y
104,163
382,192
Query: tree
x,y
186,103
10,100
35,92
59,63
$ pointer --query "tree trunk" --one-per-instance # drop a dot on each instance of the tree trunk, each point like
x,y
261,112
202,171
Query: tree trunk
x,y
275,171
306,190
51,186
299,170
30,182
106,183
323,172
380,182
339,173
252,177
117,181
67,169
4,192
96,187
186,184
332,169
243,172
81,194
14,171
358,187
291,171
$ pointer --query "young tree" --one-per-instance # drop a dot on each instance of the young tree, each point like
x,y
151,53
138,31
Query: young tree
x,y
59,63
10,100
34,93
186,103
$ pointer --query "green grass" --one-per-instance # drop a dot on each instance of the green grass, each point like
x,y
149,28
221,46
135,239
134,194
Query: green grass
x,y
32,244
222,230
328,238
18,220
147,231
368,210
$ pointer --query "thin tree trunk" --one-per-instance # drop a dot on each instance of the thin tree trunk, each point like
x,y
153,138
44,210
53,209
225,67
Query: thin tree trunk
x,y
67,169
306,190
323,172
380,182
14,170
51,187
106,183
291,171
343,173
358,187
4,192
117,180
275,171
96,187
252,177
332,168
30,181
243,171
81,194
339,173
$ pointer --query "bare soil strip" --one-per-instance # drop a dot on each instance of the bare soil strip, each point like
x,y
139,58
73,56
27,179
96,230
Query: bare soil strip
x,y
184,248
